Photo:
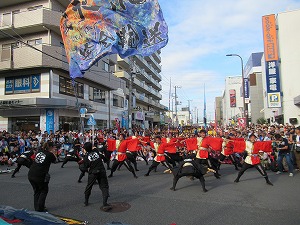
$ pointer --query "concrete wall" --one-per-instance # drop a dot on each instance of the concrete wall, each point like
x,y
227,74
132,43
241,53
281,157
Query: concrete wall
x,y
289,53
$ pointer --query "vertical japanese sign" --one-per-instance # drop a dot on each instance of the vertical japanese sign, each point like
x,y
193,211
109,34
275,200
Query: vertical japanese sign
x,y
246,85
49,120
232,96
9,83
271,58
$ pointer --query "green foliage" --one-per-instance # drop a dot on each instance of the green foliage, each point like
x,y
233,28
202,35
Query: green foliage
x,y
261,121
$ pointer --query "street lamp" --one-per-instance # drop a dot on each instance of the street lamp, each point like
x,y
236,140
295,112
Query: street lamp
x,y
245,106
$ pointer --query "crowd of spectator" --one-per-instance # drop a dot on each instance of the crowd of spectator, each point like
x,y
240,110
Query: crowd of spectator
x,y
13,144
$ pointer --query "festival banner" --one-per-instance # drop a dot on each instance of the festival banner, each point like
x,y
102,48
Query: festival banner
x,y
232,96
92,29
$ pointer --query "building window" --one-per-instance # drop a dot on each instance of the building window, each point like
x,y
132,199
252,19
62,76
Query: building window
x,y
118,101
6,52
34,42
97,95
66,87
6,19
106,67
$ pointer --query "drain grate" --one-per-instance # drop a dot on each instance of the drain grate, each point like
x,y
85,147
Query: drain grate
x,y
118,207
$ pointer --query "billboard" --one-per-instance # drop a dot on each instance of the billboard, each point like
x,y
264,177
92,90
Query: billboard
x,y
271,58
270,37
232,96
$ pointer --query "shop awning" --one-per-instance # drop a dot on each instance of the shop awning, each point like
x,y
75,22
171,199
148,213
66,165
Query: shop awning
x,y
9,104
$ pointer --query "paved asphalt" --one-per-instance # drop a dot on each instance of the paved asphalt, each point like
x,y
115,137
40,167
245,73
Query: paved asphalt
x,y
152,202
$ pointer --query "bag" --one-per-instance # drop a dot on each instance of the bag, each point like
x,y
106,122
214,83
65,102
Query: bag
x,y
47,178
298,149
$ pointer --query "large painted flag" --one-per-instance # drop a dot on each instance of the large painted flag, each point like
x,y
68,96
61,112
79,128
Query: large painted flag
x,y
92,29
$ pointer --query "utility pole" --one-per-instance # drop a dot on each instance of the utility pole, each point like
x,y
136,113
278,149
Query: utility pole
x,y
131,73
189,111
176,103
170,115
172,111
197,116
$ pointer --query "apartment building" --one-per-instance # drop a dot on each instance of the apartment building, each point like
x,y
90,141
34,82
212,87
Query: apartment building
x,y
35,80
36,92
144,75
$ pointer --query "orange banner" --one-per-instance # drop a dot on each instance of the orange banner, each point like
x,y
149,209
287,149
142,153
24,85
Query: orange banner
x,y
270,37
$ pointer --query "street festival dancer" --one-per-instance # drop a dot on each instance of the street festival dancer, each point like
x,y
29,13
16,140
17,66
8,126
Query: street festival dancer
x,y
160,155
24,160
39,176
227,150
121,146
93,162
252,148
204,146
71,155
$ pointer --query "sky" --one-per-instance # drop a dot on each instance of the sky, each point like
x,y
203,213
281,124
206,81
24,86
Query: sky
x,y
201,33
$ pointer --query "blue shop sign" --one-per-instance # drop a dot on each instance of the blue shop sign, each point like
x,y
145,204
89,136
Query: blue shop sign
x,y
49,120
22,84
273,80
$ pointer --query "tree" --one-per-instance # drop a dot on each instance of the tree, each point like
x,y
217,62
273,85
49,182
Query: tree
x,y
261,121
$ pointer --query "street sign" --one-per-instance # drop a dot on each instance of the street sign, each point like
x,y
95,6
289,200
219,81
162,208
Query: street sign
x,y
82,112
242,122
91,121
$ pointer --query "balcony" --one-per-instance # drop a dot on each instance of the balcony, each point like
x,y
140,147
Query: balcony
x,y
122,74
142,98
124,63
157,57
142,63
33,21
148,79
26,57
151,61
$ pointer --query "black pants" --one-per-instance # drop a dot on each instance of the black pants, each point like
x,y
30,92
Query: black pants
x,y
127,164
103,185
210,163
132,158
172,158
141,154
231,158
74,158
40,189
259,168
21,163
107,156
155,164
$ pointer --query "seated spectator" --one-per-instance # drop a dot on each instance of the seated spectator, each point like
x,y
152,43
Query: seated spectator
x,y
4,158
